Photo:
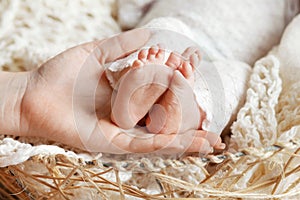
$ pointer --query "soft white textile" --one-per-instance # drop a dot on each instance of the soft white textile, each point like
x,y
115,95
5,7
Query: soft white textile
x,y
31,32
271,114
239,30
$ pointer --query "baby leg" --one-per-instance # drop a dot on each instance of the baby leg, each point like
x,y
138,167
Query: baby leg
x,y
167,116
142,85
178,103
176,112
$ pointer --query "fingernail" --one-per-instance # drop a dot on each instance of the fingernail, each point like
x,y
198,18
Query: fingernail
x,y
221,146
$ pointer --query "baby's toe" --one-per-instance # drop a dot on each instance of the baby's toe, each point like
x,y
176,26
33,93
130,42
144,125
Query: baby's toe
x,y
193,55
160,55
189,51
195,60
137,64
142,56
152,53
174,60
187,71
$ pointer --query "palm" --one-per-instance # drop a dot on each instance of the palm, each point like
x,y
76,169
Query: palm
x,y
68,94
68,100
55,88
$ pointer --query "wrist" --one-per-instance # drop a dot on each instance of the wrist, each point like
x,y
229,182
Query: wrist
x,y
13,86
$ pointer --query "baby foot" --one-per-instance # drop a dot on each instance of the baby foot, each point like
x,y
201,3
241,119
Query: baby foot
x,y
177,111
142,85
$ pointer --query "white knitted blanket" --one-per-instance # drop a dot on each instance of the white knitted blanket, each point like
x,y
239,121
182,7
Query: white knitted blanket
x,y
269,115
33,32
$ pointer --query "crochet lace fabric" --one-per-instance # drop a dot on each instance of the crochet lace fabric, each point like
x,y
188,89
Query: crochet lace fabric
x,y
256,122
33,32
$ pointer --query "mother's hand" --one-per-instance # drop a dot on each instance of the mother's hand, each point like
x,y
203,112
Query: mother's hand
x,y
65,95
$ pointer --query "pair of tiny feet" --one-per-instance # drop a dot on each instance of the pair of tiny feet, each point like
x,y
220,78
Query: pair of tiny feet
x,y
166,88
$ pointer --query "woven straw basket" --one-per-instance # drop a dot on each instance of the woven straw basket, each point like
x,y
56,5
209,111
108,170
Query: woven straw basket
x,y
262,161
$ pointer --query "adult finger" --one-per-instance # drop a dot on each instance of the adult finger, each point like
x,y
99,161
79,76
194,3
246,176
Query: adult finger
x,y
122,44
186,142
213,139
107,137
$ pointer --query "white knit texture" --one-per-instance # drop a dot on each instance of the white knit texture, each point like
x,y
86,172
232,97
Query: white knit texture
x,y
33,32
256,122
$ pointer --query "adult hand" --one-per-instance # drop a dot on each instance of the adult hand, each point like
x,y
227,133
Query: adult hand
x,y
67,100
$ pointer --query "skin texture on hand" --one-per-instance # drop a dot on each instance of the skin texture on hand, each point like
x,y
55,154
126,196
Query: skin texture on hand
x,y
63,94
68,99
12,89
